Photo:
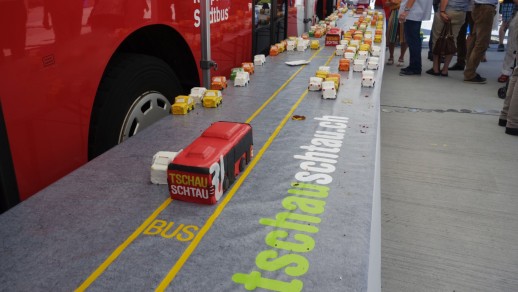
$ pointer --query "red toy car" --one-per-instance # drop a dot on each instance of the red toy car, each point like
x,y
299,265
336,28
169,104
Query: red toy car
x,y
205,169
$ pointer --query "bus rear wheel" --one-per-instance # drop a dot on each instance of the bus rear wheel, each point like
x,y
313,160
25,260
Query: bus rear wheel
x,y
135,91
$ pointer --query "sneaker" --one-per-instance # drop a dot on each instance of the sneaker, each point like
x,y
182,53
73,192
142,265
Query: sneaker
x,y
476,80
500,48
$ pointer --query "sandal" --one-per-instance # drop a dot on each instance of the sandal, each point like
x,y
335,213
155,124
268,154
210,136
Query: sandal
x,y
400,62
503,78
390,61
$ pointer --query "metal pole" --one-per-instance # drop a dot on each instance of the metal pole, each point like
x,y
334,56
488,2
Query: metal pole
x,y
206,63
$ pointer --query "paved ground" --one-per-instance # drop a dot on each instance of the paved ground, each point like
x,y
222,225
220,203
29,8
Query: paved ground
x,y
449,184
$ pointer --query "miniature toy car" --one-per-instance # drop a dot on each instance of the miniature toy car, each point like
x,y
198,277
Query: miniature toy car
x,y
159,166
376,51
249,67
373,63
259,60
212,98
322,74
362,55
290,46
305,35
242,79
315,84
359,65
197,93
328,90
349,55
218,83
206,168
377,39
314,45
234,71
182,105
368,78
274,50
335,77
344,65
340,50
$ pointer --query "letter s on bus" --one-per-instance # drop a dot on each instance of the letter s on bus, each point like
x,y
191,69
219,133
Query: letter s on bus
x,y
197,19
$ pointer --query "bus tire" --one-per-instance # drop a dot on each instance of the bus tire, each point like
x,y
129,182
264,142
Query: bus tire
x,y
135,91
242,164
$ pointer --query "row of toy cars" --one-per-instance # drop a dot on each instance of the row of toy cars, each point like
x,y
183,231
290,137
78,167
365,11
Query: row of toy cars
x,y
183,104
213,97
326,82
291,44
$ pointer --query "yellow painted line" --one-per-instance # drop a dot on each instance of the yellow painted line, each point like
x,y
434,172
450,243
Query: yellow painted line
x,y
261,108
153,216
208,224
123,246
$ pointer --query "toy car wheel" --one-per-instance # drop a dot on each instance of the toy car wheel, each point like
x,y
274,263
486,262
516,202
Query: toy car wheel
x,y
135,91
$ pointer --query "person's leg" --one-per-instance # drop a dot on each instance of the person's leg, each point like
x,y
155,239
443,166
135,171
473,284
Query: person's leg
x,y
457,19
501,35
412,37
391,53
461,47
402,52
512,108
508,62
483,18
502,121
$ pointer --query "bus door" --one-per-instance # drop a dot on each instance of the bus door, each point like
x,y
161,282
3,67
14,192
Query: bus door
x,y
270,23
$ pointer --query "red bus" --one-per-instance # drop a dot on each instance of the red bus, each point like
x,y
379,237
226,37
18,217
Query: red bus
x,y
204,170
80,76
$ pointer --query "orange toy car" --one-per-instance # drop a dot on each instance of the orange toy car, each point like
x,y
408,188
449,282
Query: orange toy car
x,y
218,83
249,67
274,50
344,65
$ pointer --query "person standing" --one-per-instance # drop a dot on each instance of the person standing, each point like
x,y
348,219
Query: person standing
x,y
461,40
512,46
395,33
507,9
483,13
412,13
454,13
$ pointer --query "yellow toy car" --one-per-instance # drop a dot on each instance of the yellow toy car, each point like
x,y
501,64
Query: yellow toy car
x,y
322,74
182,105
314,45
212,98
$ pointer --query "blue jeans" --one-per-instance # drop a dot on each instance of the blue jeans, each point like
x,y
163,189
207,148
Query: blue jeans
x,y
413,40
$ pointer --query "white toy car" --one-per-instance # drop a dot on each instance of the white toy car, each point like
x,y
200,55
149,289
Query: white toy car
x,y
362,55
340,50
242,79
197,93
355,43
373,63
290,46
259,60
324,68
376,51
328,90
368,78
344,42
159,166
359,65
349,55
315,83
